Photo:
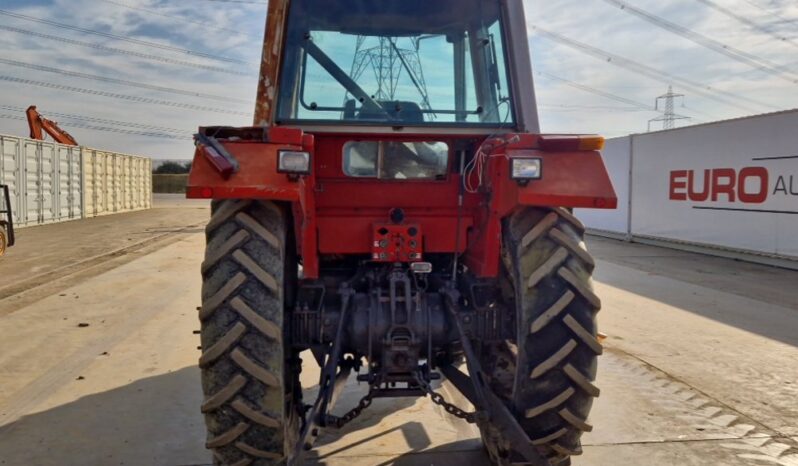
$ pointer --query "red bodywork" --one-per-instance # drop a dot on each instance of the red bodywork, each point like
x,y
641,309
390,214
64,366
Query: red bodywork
x,y
339,215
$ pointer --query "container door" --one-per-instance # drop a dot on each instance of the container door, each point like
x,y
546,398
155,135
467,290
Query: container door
x,y
11,172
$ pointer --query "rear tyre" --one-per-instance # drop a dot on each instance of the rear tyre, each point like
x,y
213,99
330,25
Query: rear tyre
x,y
249,377
546,376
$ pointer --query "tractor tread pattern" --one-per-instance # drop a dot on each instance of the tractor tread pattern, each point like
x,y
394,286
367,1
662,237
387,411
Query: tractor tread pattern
x,y
253,415
258,229
554,262
575,420
552,312
263,276
575,248
224,395
223,344
244,462
583,382
225,249
242,362
257,453
571,219
540,229
565,451
557,345
228,437
211,304
554,360
580,287
551,404
254,369
267,328
583,334
550,438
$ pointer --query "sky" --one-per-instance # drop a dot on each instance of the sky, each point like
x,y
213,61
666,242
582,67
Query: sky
x,y
166,67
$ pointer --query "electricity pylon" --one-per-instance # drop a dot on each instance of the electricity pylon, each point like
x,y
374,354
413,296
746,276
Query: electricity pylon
x,y
389,62
669,115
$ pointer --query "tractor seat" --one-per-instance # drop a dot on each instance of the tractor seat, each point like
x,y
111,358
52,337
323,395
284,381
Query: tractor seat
x,y
407,112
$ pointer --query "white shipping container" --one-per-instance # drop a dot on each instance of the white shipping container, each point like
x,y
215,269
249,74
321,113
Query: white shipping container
x,y
115,183
728,188
50,182
11,173
43,180
617,157
730,184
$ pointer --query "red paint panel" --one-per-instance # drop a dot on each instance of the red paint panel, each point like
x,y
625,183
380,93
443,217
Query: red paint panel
x,y
283,135
386,194
570,179
256,179
354,235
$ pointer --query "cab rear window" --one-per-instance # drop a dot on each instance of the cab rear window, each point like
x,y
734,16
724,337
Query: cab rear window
x,y
391,160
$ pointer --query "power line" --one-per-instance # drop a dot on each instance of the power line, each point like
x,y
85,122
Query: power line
x,y
179,18
744,20
132,98
702,112
746,58
597,92
123,38
122,82
71,116
652,73
770,12
110,130
122,51
581,108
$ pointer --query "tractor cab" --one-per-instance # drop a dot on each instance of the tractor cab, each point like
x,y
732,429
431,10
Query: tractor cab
x,y
412,65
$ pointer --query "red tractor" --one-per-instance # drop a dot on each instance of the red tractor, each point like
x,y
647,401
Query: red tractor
x,y
395,212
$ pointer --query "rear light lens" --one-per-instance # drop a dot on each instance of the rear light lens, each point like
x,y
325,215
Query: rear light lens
x,y
591,143
526,169
567,143
294,162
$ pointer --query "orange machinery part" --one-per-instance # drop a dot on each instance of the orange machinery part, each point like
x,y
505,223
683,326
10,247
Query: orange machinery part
x,y
39,125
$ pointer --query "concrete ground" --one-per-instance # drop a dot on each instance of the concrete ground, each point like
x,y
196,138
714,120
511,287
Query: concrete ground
x,y
98,358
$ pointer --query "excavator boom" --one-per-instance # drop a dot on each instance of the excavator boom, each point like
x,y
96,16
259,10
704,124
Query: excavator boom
x,y
39,125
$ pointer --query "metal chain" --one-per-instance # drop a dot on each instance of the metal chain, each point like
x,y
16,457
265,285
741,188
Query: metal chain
x,y
364,403
438,399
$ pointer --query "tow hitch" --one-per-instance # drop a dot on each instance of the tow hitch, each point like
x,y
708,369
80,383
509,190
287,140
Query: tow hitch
x,y
490,409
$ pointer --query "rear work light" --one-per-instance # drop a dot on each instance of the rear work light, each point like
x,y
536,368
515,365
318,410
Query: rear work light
x,y
570,143
526,170
293,162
